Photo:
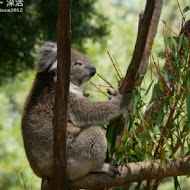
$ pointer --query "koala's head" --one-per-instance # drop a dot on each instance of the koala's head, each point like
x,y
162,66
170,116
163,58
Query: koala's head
x,y
82,68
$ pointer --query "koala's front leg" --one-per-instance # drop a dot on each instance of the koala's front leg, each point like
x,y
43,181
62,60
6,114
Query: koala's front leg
x,y
84,113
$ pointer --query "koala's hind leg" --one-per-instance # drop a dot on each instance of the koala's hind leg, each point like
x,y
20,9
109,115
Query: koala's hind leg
x,y
87,153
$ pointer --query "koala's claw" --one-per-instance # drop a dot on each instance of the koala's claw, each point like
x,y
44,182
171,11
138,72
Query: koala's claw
x,y
109,92
113,94
113,170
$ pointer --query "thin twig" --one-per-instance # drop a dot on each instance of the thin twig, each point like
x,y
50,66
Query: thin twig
x,y
23,181
118,66
114,65
98,89
105,80
164,22
94,90
116,78
103,86
183,18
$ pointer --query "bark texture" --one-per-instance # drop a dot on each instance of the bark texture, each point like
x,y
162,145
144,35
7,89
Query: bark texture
x,y
150,40
62,92
142,68
144,25
135,172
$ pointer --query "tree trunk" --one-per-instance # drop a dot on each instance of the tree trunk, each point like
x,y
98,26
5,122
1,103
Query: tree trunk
x,y
62,93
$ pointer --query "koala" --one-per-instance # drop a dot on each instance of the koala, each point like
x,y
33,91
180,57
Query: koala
x,y
86,142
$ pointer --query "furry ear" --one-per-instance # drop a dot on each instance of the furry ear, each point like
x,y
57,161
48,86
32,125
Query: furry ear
x,y
47,57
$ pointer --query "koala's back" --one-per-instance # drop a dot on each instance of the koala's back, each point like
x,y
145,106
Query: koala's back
x,y
37,127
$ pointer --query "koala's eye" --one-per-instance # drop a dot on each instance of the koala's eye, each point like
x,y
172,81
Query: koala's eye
x,y
78,63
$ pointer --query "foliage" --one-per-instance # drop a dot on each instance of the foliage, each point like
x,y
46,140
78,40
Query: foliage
x,y
13,161
21,33
160,128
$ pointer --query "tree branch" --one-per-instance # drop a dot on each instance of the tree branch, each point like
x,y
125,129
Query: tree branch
x,y
135,172
147,50
144,25
150,40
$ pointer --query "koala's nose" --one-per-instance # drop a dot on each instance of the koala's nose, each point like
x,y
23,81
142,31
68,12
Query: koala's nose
x,y
92,71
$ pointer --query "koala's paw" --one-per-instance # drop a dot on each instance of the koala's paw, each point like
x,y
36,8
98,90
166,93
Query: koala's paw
x,y
114,94
112,170
109,169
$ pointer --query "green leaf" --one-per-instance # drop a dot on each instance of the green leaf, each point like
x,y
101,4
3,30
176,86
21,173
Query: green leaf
x,y
150,105
149,150
164,164
86,94
166,41
157,90
180,42
158,122
135,99
125,137
165,104
132,151
175,79
174,42
161,85
188,175
120,127
162,156
188,105
176,184
186,44
131,121
165,75
138,186
186,9
145,94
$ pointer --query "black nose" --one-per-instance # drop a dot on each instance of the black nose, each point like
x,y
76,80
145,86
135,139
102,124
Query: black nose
x,y
92,71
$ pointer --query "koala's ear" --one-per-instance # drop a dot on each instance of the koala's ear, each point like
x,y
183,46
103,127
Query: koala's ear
x,y
47,57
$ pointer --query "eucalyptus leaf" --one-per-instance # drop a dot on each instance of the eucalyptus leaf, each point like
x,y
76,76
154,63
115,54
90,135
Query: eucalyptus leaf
x,y
188,105
186,9
176,184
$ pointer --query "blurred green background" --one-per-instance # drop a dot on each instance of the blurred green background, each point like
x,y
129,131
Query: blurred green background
x,y
97,27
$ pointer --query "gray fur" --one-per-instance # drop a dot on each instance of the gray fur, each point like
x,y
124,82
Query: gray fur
x,y
86,143
47,56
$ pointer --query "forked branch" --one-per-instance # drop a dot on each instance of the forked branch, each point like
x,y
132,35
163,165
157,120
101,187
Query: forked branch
x,y
147,29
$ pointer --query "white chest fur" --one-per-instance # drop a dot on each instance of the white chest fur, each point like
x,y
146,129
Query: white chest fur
x,y
75,89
